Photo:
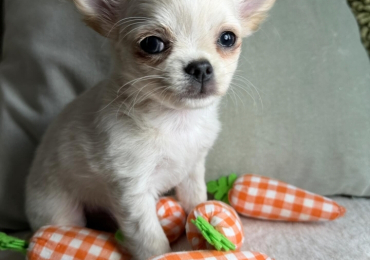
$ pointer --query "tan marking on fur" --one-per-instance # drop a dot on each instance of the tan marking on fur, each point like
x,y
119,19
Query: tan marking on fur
x,y
253,22
154,59
229,53
151,59
97,23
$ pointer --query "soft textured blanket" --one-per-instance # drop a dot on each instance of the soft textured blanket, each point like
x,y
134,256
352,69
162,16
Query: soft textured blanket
x,y
346,239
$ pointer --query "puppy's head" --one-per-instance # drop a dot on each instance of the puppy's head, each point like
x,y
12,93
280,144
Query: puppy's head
x,y
182,53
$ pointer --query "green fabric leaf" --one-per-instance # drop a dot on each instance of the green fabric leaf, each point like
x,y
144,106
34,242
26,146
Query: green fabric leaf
x,y
221,187
12,243
119,236
213,237
212,186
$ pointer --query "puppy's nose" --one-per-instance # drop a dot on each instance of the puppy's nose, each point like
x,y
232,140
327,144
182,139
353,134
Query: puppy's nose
x,y
201,71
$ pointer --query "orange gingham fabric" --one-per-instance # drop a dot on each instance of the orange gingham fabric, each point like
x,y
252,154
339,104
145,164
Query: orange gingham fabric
x,y
265,198
73,243
213,255
222,217
172,218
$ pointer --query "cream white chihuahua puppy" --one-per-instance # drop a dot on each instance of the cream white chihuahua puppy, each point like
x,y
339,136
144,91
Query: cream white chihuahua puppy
x,y
148,129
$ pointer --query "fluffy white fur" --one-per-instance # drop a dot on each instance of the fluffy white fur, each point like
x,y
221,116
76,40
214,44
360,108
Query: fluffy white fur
x,y
128,140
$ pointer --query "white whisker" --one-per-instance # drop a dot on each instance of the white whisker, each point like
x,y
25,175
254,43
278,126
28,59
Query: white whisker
x,y
125,20
134,81
132,24
255,88
138,92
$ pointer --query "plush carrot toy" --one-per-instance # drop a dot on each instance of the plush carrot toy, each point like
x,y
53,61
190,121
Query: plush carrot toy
x,y
211,224
72,243
59,243
172,218
261,197
214,224
213,255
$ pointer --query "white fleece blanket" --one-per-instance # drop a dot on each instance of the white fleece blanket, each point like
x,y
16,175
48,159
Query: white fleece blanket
x,y
344,239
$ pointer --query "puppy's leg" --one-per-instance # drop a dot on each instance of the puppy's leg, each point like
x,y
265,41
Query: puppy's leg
x,y
52,208
192,190
137,218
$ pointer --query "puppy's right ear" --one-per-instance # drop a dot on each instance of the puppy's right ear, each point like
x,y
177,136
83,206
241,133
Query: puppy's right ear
x,y
101,15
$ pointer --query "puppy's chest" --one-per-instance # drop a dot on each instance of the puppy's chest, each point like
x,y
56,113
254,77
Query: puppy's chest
x,y
180,147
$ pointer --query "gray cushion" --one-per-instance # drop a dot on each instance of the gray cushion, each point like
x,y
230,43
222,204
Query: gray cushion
x,y
307,61
313,76
49,57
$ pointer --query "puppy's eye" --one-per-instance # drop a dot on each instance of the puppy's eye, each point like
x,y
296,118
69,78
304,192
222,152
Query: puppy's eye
x,y
152,45
227,39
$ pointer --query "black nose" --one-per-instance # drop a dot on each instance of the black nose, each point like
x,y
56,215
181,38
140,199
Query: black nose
x,y
201,71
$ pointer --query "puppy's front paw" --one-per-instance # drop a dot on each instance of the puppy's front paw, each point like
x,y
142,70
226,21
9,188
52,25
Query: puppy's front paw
x,y
147,246
192,199
160,247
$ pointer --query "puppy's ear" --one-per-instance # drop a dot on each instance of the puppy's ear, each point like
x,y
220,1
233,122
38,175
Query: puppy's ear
x,y
101,15
253,12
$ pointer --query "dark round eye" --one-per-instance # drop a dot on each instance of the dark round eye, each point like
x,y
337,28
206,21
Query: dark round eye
x,y
152,45
227,39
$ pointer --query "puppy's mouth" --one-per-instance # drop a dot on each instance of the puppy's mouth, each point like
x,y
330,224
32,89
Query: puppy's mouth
x,y
200,90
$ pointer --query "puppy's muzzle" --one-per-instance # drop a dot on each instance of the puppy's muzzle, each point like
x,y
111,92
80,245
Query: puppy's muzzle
x,y
201,75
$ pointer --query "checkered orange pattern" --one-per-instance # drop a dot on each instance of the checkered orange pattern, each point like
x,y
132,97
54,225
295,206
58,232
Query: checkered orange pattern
x,y
172,218
222,217
262,197
213,255
73,243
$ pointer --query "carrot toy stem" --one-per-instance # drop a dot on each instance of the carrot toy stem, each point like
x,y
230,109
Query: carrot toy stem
x,y
213,237
12,243
220,188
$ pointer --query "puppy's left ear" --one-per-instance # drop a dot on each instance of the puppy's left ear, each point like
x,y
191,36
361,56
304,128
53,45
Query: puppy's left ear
x,y
101,15
252,13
